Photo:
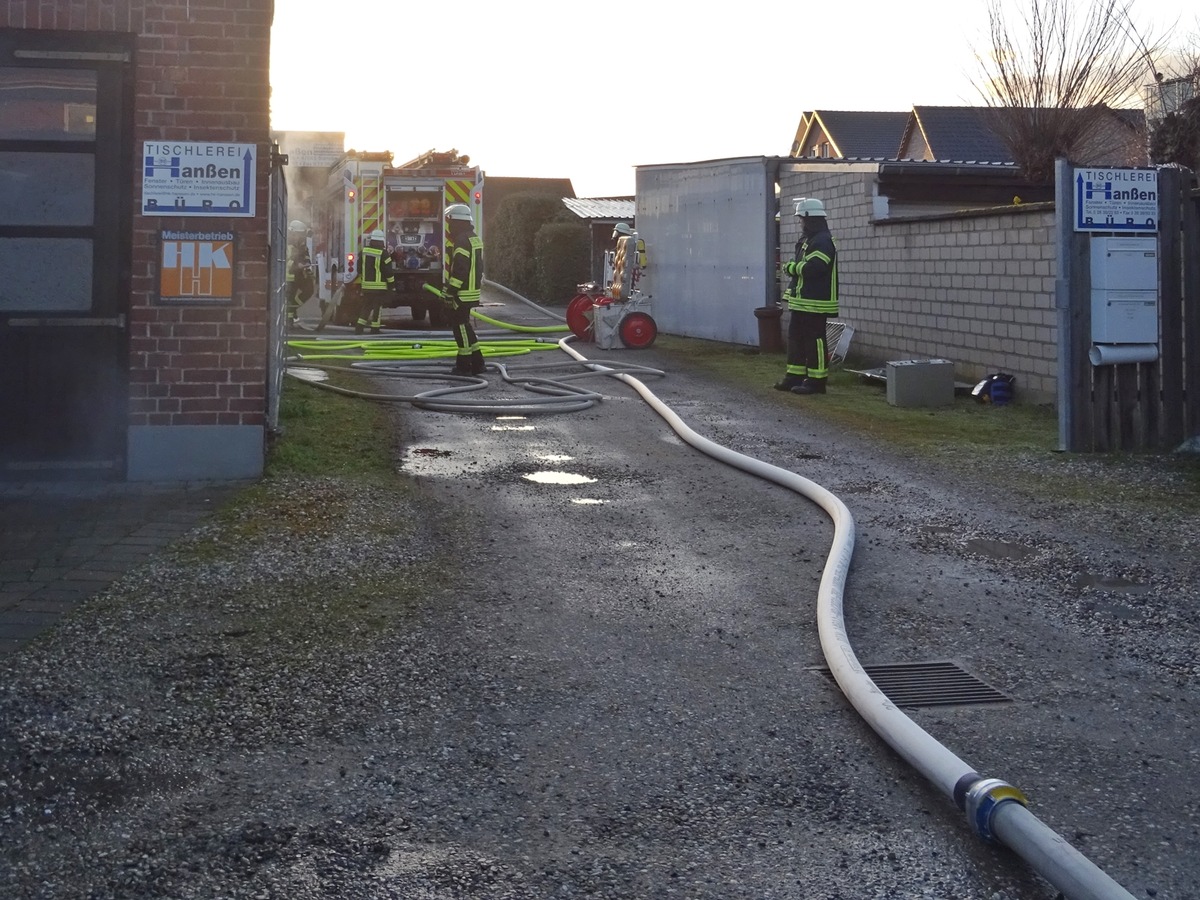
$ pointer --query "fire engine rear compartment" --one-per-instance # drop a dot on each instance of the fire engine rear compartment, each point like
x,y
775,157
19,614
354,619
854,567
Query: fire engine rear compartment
x,y
413,237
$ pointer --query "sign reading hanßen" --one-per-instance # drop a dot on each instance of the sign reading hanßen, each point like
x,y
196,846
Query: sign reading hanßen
x,y
184,178
1124,200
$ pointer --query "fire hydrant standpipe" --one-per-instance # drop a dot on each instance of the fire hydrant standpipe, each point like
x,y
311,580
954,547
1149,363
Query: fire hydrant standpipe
x,y
996,810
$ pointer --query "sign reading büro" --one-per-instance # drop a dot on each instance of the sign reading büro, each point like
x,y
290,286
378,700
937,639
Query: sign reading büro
x,y
1124,200
183,178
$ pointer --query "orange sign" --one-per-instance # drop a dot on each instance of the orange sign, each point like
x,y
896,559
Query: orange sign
x,y
196,267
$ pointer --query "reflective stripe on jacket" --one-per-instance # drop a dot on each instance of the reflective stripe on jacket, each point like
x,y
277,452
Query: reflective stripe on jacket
x,y
814,276
375,269
466,271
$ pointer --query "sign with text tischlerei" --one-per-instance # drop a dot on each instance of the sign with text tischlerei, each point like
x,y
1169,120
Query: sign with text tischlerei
x,y
186,178
1120,200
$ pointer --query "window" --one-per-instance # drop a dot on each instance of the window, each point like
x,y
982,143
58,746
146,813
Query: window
x,y
47,188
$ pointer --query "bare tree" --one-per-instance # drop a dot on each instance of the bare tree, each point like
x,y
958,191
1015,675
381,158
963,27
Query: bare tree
x,y
1056,83
1173,105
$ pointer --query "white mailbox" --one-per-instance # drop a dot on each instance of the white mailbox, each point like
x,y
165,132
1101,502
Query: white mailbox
x,y
1124,290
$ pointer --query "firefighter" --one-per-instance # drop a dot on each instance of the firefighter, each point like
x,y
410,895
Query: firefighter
x,y
811,298
300,281
376,276
464,282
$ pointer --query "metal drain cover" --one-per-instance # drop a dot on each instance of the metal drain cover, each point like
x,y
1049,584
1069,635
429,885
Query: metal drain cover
x,y
929,684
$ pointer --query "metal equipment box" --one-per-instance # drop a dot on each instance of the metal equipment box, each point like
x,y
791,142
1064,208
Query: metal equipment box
x,y
920,382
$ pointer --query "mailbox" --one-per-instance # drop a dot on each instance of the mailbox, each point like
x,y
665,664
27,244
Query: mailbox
x,y
1124,290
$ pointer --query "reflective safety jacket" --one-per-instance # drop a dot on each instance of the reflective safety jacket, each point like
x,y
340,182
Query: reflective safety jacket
x,y
465,279
814,276
297,259
375,269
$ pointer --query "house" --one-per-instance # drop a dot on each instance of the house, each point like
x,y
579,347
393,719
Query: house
x,y
952,134
842,134
960,134
142,195
978,134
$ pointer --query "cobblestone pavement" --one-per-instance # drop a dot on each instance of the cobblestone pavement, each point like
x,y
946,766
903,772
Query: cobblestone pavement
x,y
62,544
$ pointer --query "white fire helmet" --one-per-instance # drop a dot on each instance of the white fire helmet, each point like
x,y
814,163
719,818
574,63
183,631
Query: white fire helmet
x,y
376,235
297,227
459,212
808,206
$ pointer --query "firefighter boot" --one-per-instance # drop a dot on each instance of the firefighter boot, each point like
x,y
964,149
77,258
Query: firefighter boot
x,y
810,386
477,363
462,366
789,382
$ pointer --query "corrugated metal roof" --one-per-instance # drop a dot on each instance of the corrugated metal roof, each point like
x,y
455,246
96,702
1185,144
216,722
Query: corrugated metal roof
x,y
601,208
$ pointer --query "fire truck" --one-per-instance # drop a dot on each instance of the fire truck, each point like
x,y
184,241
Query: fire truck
x,y
368,192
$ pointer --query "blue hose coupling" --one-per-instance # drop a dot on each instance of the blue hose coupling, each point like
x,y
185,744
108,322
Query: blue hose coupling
x,y
984,797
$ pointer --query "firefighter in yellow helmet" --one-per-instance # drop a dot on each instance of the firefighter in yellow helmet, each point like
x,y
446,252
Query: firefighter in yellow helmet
x,y
464,284
811,297
376,277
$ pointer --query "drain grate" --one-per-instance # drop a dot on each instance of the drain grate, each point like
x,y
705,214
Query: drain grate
x,y
941,683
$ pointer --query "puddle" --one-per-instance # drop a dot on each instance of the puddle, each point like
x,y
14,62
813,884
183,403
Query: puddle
x,y
588,501
559,478
997,549
553,457
1088,581
513,427
1116,610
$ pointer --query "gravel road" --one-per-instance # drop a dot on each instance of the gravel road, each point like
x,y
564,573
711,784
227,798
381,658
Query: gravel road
x,y
604,680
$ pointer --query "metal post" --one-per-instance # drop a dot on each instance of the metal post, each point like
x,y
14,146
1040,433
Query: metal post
x,y
1063,200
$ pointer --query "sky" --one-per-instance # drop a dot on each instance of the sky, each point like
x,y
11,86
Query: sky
x,y
589,91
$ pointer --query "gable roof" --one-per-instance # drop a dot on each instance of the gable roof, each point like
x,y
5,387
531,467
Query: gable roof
x,y
958,133
858,134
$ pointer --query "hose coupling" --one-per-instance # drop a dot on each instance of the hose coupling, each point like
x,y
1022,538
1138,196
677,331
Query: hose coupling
x,y
983,799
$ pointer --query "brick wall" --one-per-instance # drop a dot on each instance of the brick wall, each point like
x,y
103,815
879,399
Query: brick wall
x,y
201,75
977,289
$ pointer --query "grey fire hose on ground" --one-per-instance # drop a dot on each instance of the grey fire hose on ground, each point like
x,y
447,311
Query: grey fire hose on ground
x,y
996,810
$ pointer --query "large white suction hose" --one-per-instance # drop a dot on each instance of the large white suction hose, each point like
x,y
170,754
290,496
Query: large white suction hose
x,y
996,810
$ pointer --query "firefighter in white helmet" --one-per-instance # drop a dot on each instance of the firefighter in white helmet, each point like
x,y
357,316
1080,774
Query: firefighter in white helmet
x,y
376,277
811,297
299,273
464,286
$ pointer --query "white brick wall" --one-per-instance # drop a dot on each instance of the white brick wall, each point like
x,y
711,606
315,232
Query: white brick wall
x,y
975,288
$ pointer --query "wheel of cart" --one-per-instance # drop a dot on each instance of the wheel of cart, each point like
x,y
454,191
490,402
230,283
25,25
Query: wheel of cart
x,y
579,317
637,330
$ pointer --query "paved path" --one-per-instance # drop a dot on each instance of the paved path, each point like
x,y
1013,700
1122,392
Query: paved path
x,y
62,544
